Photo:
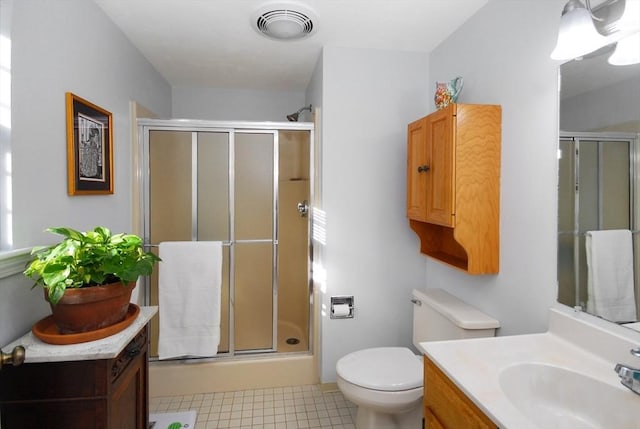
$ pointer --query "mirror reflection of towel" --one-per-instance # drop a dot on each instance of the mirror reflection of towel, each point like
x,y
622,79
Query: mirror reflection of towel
x,y
189,289
610,275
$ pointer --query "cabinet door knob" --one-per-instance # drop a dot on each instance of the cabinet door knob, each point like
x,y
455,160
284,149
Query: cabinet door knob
x,y
15,358
423,168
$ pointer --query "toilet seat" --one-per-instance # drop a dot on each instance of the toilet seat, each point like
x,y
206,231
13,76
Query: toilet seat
x,y
389,369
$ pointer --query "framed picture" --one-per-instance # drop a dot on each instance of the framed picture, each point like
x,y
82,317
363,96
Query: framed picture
x,y
89,148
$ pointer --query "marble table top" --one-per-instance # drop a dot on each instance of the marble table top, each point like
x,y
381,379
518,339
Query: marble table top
x,y
37,351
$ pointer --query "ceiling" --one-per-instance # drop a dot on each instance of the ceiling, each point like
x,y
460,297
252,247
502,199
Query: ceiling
x,y
212,43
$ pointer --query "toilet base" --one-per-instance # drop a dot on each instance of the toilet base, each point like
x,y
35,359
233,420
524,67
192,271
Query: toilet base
x,y
370,419
384,409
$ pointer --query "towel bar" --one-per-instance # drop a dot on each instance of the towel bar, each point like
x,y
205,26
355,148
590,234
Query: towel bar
x,y
224,243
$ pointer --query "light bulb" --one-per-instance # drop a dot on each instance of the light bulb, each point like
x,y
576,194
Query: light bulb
x,y
627,51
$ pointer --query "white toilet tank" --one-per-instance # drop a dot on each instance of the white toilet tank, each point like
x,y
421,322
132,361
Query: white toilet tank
x,y
438,315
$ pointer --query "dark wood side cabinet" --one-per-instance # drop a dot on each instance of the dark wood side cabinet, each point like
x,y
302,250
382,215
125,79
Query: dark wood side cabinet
x,y
85,394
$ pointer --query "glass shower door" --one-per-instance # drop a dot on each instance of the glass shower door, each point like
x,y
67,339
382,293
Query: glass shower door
x,y
188,195
212,210
595,193
249,189
255,241
195,195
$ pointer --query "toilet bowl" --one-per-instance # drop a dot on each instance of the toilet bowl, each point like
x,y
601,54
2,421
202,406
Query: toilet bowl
x,y
386,385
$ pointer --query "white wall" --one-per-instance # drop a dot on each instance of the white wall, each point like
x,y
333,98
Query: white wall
x,y
314,98
615,104
60,46
316,84
235,104
503,54
20,307
368,98
71,46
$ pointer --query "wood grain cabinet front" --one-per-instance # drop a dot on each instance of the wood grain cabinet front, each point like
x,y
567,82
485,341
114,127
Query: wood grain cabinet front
x,y
446,406
89,394
453,185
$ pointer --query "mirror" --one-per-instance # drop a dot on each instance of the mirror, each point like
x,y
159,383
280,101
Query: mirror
x,y
599,185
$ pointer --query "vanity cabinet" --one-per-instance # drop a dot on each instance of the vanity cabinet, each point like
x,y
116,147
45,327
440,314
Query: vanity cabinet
x,y
446,406
85,394
453,185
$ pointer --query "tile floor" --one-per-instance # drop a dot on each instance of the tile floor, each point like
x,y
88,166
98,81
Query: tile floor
x,y
277,408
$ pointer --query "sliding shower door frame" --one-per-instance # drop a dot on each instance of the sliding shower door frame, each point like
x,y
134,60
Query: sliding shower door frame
x,y
634,176
146,126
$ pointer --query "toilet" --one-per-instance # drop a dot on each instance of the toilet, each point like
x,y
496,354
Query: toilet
x,y
386,383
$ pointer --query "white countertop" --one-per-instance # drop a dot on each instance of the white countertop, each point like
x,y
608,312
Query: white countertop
x,y
474,365
107,348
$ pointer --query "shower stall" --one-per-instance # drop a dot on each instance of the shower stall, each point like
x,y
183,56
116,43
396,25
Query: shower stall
x,y
597,190
249,186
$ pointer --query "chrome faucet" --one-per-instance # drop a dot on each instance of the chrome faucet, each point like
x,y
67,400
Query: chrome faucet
x,y
630,377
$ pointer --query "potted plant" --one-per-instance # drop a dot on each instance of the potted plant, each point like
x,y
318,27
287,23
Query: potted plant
x,y
87,270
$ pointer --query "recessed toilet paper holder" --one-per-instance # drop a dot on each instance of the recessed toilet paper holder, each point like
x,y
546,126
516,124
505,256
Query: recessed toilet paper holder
x,y
342,307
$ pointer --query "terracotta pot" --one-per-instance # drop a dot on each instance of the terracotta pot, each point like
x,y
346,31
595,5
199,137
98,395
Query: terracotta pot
x,y
91,308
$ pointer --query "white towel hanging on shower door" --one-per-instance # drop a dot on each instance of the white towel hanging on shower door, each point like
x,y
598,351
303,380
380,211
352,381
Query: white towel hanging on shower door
x,y
610,275
189,288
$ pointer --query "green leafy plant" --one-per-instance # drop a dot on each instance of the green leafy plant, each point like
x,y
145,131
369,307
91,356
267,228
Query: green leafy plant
x,y
84,259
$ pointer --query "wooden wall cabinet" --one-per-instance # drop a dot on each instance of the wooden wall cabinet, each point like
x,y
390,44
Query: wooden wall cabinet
x,y
446,406
453,185
85,394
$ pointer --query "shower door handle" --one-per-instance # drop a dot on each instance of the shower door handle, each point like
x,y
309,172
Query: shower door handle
x,y
303,208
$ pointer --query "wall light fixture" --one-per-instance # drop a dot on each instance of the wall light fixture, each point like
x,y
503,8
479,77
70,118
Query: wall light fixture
x,y
584,29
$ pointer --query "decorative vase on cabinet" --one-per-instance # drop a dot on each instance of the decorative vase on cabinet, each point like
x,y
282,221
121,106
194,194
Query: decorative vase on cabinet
x,y
447,92
453,185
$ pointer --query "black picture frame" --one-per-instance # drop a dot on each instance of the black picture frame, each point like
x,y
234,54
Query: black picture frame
x,y
89,148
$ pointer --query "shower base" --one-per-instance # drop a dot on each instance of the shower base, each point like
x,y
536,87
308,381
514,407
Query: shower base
x,y
187,378
287,332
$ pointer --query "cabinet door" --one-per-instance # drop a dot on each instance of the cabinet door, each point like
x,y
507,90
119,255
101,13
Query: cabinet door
x,y
127,402
449,405
128,399
76,414
417,170
430,421
440,135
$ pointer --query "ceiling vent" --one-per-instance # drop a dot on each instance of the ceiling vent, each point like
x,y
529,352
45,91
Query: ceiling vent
x,y
284,21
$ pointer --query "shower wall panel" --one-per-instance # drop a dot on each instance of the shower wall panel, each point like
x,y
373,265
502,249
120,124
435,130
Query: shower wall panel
x,y
293,248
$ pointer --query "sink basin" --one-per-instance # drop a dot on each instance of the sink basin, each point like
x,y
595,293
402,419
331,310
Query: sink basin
x,y
557,398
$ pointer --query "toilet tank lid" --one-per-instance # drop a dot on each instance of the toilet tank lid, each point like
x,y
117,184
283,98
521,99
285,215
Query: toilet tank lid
x,y
459,312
